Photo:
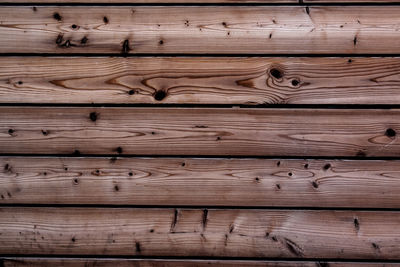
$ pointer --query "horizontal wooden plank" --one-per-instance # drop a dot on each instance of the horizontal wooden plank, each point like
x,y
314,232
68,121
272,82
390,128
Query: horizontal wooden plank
x,y
199,131
94,2
200,29
188,232
200,182
196,1
200,80
84,262
349,1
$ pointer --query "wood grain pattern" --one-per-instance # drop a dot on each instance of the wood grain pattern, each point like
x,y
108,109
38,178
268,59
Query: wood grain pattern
x,y
200,80
200,182
82,262
94,2
200,29
189,232
349,1
199,131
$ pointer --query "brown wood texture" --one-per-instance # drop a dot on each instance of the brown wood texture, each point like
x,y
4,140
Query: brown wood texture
x,y
348,1
200,80
200,182
200,29
188,232
77,262
94,2
199,131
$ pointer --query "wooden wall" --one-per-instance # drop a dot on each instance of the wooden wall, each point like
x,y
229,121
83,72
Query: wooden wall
x,y
196,133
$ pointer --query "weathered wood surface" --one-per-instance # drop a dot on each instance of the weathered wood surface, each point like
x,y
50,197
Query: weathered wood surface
x,y
199,131
188,232
94,2
200,29
347,1
200,80
198,1
200,182
77,262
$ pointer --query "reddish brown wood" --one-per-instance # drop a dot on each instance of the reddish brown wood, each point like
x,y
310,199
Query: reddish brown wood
x,y
200,131
200,182
200,29
200,80
188,232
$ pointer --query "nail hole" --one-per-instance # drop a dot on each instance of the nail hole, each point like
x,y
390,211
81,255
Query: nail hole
x,y
130,173
116,188
44,132
57,16
278,186
125,47
306,166
105,20
161,42
160,95
390,132
327,166
295,82
119,150
356,224
278,163
314,184
11,131
59,39
93,116
183,164
276,73
131,92
290,174
76,181
138,249
73,26
20,82
84,40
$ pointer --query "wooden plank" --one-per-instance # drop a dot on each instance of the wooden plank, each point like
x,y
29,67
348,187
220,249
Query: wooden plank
x,y
199,131
349,1
200,80
101,262
94,2
200,29
200,233
200,182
